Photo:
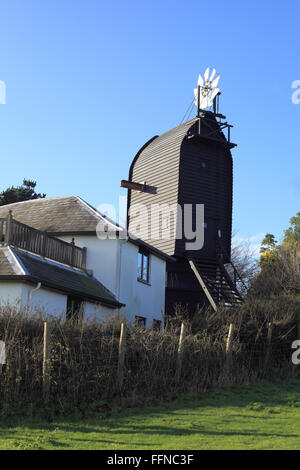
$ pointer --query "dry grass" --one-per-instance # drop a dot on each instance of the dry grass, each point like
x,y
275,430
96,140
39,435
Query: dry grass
x,y
84,357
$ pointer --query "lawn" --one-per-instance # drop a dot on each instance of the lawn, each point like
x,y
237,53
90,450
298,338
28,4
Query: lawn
x,y
260,416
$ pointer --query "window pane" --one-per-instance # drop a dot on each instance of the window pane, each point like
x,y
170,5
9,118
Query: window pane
x,y
140,265
145,267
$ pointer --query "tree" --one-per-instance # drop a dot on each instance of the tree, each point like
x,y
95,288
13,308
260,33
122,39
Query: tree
x,y
268,243
269,250
280,263
25,192
244,259
292,234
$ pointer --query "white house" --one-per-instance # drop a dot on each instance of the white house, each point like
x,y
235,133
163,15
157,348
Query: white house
x,y
61,255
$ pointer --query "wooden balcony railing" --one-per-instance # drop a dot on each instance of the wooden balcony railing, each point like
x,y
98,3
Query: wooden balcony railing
x,y
30,239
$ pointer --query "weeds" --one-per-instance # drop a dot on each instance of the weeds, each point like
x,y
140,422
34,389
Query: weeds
x,y
84,357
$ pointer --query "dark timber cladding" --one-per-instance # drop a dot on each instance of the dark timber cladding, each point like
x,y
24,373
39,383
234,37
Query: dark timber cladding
x,y
157,164
190,164
186,168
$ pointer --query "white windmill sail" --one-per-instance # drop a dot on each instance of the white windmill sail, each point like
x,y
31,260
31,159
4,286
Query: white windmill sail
x,y
213,73
206,74
208,89
215,82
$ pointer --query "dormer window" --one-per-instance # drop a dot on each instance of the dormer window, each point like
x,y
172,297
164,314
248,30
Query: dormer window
x,y
143,266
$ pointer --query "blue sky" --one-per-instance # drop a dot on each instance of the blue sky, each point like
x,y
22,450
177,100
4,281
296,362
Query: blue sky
x,y
88,82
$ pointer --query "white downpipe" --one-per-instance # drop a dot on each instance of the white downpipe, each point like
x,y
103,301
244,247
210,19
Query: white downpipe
x,y
38,286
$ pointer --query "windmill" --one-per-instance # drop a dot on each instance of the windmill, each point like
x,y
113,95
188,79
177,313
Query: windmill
x,y
190,165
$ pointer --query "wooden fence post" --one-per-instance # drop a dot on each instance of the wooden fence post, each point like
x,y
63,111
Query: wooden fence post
x,y
46,358
122,349
269,340
180,352
8,228
229,344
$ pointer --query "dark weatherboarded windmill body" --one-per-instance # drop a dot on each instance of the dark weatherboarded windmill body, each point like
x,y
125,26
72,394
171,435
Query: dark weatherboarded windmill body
x,y
189,165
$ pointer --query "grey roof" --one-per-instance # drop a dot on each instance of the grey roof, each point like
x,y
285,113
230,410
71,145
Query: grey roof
x,y
65,215
5,266
53,275
55,215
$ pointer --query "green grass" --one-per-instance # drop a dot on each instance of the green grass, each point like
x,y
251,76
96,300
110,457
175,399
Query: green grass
x,y
260,416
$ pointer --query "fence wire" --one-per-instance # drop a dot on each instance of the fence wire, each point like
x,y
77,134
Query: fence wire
x,y
83,361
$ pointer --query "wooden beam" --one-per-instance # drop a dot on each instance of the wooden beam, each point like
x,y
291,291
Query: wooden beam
x,y
132,185
202,283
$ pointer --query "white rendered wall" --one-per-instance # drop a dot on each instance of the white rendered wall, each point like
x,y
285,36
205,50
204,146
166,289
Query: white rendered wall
x,y
98,312
11,293
55,303
101,258
46,301
43,300
142,299
115,263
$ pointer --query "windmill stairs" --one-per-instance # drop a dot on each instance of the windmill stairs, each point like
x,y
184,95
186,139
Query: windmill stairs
x,y
221,284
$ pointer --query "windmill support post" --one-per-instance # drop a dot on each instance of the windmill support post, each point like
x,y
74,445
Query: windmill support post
x,y
202,284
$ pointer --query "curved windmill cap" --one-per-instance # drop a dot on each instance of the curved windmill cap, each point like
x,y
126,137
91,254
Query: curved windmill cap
x,y
207,86
2,353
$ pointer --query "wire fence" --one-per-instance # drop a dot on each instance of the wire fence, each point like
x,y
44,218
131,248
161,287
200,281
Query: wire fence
x,y
59,363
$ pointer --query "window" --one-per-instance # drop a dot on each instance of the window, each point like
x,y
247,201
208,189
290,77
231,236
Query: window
x,y
143,266
74,308
140,321
156,325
